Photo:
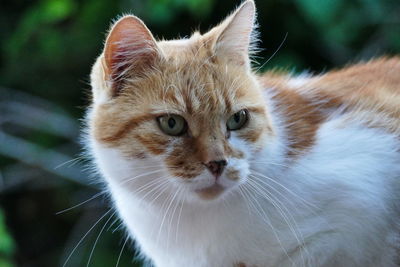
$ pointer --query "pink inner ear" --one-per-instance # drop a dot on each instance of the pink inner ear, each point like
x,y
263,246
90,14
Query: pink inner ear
x,y
130,48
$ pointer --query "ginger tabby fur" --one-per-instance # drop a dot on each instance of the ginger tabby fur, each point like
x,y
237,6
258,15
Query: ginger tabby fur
x,y
308,175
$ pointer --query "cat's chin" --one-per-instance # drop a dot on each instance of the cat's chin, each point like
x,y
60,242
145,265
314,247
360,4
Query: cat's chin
x,y
211,192
208,188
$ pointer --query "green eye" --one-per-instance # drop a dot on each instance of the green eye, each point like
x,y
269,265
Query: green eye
x,y
237,120
172,124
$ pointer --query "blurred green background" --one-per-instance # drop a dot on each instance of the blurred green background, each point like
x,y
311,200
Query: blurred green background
x,y
47,48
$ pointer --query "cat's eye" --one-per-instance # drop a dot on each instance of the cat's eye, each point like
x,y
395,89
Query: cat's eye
x,y
172,124
237,120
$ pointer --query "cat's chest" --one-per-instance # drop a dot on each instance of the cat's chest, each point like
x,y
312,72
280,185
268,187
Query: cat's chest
x,y
222,236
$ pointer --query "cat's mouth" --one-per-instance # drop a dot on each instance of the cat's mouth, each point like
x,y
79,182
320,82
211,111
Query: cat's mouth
x,y
210,192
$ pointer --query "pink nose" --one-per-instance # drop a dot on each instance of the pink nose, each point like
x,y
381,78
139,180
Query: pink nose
x,y
216,167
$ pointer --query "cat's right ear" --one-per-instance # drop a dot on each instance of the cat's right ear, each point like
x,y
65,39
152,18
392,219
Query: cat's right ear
x,y
129,51
235,38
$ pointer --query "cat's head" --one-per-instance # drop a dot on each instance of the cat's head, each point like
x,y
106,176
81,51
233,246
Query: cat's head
x,y
188,113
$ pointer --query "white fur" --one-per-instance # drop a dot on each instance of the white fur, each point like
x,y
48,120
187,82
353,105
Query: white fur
x,y
337,204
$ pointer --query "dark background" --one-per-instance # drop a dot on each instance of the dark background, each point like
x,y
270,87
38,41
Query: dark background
x,y
47,48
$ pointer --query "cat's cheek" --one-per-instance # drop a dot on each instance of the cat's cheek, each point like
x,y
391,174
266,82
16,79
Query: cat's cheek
x,y
238,148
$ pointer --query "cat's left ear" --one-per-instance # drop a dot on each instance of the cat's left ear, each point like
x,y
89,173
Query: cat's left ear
x,y
236,35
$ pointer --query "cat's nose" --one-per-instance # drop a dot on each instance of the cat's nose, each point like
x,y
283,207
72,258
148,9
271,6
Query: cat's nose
x,y
216,167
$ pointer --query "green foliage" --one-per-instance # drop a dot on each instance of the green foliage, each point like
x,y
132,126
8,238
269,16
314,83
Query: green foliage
x,y
348,29
163,11
39,16
7,245
320,13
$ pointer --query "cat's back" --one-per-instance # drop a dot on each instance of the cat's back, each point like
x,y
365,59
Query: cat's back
x,y
369,91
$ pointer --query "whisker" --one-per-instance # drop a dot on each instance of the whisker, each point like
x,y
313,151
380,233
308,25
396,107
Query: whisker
x,y
165,214
273,200
276,51
148,166
244,197
272,163
81,203
284,165
284,187
119,227
154,189
97,239
281,194
127,180
84,236
72,161
122,249
172,216
148,184
179,218
260,211
160,192
112,224
267,195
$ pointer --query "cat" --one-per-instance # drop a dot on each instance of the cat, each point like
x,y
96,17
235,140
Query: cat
x,y
211,164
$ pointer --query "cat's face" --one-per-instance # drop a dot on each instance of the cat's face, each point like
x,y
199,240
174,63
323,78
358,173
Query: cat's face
x,y
182,113
188,122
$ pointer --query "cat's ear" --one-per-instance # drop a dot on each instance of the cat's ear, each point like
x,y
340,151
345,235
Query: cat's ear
x,y
130,49
236,34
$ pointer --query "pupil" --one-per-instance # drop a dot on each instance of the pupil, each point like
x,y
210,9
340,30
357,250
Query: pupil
x,y
237,117
171,122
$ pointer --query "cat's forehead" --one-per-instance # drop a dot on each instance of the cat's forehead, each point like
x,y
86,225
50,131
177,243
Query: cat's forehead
x,y
191,81
202,88
188,49
196,91
195,87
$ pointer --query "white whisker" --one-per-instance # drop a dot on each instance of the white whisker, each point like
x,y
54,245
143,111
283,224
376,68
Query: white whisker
x,y
81,203
261,213
72,162
127,180
122,249
97,239
155,189
165,214
284,187
84,236
263,192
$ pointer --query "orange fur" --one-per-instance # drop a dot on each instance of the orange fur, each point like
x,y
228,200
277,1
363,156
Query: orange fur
x,y
198,85
368,90
207,79
194,82
372,87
